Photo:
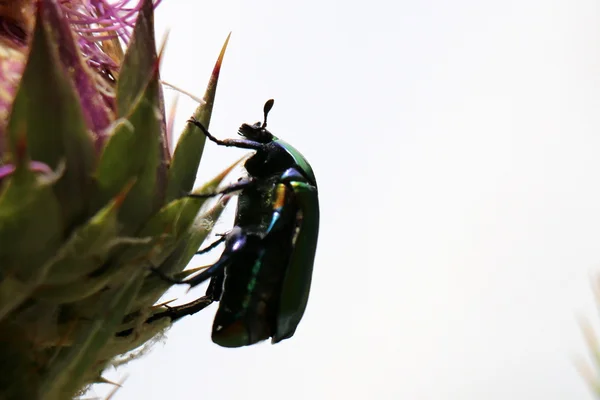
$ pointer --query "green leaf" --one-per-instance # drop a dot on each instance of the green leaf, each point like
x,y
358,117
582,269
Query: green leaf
x,y
46,110
190,146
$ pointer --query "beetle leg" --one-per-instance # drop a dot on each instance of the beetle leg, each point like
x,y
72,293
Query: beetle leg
x,y
164,276
240,143
215,287
241,185
212,245
178,312
211,271
201,277
292,175
213,293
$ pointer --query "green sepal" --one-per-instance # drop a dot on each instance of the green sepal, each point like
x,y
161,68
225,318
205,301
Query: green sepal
x,y
154,286
196,235
139,63
91,91
46,110
73,291
140,336
73,364
13,292
163,232
89,246
170,225
30,233
199,230
89,285
133,152
188,153
41,322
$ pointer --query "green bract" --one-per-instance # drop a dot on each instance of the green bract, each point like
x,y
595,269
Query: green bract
x,y
90,200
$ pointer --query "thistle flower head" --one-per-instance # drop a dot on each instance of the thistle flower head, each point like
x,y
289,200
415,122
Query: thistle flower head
x,y
90,36
90,195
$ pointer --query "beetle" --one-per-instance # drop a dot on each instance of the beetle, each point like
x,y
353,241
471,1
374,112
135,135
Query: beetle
x,y
262,279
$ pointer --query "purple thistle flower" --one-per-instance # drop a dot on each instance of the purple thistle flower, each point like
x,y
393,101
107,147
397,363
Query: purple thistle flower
x,y
91,35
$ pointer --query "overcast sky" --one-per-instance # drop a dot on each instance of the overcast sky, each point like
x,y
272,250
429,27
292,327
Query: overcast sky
x,y
457,150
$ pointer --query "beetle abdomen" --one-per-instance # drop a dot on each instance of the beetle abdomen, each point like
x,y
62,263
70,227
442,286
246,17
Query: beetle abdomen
x,y
248,307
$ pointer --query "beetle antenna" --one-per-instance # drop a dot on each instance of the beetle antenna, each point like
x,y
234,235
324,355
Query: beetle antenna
x,y
266,109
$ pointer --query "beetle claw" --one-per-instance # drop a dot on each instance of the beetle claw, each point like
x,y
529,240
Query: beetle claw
x,y
164,276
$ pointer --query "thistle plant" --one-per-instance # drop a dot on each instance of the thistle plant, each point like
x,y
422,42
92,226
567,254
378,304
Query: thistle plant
x,y
91,195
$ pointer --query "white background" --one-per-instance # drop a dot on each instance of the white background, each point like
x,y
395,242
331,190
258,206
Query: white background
x,y
457,150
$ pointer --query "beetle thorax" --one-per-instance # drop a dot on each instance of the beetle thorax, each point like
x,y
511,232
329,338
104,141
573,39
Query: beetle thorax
x,y
270,162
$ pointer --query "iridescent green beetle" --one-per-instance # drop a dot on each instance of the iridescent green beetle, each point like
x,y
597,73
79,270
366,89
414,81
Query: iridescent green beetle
x,y
262,279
